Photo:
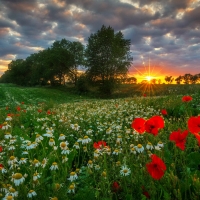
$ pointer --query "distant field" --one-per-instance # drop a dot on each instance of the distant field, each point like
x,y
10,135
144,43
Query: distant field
x,y
9,92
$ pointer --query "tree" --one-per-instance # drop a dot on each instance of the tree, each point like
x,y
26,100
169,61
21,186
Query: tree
x,y
179,79
194,79
159,81
169,79
61,60
19,71
77,51
107,57
187,78
153,81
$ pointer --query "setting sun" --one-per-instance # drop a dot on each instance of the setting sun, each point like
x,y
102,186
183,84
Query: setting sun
x,y
149,78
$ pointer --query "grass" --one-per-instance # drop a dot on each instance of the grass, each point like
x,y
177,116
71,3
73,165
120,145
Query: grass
x,y
34,120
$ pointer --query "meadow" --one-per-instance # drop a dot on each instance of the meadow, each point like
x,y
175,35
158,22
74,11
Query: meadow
x,y
141,143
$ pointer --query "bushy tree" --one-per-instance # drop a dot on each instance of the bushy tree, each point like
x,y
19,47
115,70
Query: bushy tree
x,y
187,78
107,57
179,79
169,79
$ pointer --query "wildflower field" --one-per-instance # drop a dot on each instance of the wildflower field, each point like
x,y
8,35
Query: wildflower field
x,y
58,146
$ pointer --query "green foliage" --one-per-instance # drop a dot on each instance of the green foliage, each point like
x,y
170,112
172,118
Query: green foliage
x,y
107,56
82,84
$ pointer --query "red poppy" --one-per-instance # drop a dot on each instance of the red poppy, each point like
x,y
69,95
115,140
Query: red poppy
x,y
22,102
194,124
1,125
154,124
115,186
139,125
1,166
186,98
99,144
179,138
156,167
18,108
39,110
48,112
145,193
10,114
163,112
144,95
1,148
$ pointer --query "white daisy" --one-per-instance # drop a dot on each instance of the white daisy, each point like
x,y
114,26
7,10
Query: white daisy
x,y
18,179
76,145
7,135
13,192
38,138
71,188
125,171
160,144
23,161
86,140
61,137
51,142
12,160
149,146
139,148
36,163
8,118
5,126
75,127
73,176
54,166
64,159
31,194
11,147
90,164
44,162
8,197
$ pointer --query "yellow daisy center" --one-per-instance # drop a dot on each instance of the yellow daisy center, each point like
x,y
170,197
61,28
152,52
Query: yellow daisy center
x,y
35,161
89,162
72,173
139,146
12,157
63,144
17,176
12,190
71,187
9,197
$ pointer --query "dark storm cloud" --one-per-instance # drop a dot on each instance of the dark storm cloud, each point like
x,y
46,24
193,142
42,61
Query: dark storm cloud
x,y
165,30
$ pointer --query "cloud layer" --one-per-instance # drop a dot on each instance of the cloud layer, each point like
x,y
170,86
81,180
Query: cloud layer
x,y
164,33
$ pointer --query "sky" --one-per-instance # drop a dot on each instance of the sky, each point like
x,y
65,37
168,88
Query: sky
x,y
164,34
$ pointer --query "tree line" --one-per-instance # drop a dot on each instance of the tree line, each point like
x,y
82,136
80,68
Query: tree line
x,y
105,59
185,79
